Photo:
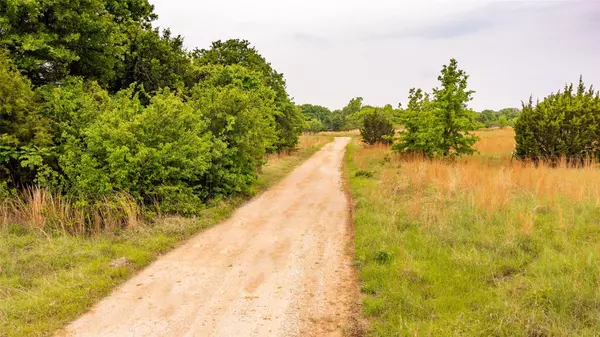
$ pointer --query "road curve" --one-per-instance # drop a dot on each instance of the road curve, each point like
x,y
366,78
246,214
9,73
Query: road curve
x,y
279,267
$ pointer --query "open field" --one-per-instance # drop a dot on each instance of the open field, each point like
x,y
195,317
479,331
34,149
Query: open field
x,y
46,281
484,246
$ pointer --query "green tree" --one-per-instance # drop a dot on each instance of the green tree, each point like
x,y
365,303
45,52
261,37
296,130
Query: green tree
x,y
314,125
317,112
419,135
239,111
51,39
161,152
349,114
338,120
442,126
376,126
565,124
454,119
16,99
487,118
154,61
289,120
503,122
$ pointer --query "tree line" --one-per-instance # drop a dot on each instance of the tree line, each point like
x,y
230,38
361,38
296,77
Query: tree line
x,y
440,124
95,101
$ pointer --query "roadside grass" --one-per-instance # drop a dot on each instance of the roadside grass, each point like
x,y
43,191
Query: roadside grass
x,y
48,280
479,247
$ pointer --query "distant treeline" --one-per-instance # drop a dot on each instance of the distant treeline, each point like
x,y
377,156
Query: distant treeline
x,y
320,118
564,125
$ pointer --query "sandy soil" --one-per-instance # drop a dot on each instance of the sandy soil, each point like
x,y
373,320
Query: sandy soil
x,y
279,267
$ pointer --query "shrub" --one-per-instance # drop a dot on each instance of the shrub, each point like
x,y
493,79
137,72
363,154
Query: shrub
x,y
288,118
238,110
565,124
376,126
158,153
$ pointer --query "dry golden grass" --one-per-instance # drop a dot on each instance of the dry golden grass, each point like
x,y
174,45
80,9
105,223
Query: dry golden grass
x,y
39,209
491,178
480,246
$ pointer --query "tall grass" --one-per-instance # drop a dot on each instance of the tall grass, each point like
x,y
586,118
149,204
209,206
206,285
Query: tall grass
x,y
39,209
482,246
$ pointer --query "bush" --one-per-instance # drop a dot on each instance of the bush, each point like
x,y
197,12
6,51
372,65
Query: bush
x,y
288,118
158,153
238,110
564,124
376,126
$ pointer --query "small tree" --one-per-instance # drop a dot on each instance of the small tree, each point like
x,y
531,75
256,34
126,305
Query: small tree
x,y
376,126
454,119
442,126
313,126
502,122
565,124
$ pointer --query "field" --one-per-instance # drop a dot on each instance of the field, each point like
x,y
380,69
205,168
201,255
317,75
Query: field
x,y
48,280
483,246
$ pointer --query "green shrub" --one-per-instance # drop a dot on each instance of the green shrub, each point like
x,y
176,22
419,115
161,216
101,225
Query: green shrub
x,y
238,110
288,118
376,126
157,153
565,124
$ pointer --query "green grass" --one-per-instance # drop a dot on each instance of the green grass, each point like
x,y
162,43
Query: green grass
x,y
434,263
47,282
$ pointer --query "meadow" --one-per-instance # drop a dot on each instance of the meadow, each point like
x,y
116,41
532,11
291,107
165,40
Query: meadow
x,y
49,277
481,246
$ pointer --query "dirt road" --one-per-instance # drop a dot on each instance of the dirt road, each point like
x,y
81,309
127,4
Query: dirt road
x,y
279,267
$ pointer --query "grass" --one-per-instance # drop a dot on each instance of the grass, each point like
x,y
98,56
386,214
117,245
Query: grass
x,y
484,246
47,281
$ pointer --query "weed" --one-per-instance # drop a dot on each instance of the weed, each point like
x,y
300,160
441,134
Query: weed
x,y
364,173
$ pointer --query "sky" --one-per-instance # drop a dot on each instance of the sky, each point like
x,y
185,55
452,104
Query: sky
x,y
331,51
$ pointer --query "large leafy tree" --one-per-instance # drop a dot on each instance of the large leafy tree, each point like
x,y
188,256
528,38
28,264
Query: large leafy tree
x,y
16,99
289,120
418,134
154,60
108,41
441,126
50,39
565,124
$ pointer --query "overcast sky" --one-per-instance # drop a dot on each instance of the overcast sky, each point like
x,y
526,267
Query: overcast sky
x,y
332,50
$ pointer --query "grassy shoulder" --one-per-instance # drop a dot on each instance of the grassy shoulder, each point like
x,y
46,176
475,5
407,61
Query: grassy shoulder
x,y
479,247
45,282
